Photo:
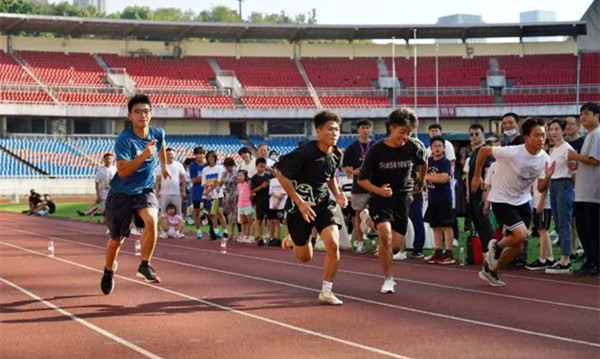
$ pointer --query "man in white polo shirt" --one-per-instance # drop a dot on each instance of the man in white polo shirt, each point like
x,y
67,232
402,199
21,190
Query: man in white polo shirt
x,y
171,190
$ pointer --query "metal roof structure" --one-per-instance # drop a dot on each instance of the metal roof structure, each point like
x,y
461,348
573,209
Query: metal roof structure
x,y
170,30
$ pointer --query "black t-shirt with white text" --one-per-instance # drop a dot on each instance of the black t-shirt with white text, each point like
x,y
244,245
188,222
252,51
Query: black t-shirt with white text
x,y
261,197
310,169
384,164
354,157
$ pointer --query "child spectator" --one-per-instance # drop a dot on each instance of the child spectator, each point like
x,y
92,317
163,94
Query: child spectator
x,y
276,214
439,210
213,194
171,223
230,203
245,210
260,190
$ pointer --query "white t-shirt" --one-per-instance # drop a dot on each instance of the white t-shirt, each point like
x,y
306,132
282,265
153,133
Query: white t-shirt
x,y
537,196
171,186
489,175
345,184
586,181
275,188
560,156
516,171
212,175
251,167
103,177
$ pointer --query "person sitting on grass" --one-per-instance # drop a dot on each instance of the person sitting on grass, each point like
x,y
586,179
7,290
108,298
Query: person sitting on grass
x,y
45,207
171,223
34,199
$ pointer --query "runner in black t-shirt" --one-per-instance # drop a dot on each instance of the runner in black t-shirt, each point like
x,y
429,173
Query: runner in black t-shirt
x,y
352,161
306,175
386,174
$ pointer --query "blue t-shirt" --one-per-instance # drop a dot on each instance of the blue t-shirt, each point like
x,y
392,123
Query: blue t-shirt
x,y
439,192
197,188
130,146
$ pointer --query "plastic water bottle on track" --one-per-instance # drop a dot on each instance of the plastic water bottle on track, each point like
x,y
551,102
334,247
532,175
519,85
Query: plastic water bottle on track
x,y
223,245
50,248
461,256
138,248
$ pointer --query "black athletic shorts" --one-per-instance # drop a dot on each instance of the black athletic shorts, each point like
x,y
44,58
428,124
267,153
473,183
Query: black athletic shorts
x,y
261,210
278,214
121,208
198,204
542,220
300,229
393,210
439,214
510,217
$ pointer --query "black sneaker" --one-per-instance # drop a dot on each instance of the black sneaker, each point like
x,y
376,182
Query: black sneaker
x,y
80,213
260,242
537,265
593,270
559,268
107,284
148,274
274,242
417,255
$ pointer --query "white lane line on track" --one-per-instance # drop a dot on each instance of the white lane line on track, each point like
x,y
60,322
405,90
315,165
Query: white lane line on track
x,y
83,322
435,285
412,310
222,307
440,268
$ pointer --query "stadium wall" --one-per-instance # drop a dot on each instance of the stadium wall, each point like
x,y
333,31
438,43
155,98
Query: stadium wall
x,y
53,186
350,50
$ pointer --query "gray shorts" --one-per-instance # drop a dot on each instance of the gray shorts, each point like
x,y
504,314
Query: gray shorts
x,y
122,208
359,201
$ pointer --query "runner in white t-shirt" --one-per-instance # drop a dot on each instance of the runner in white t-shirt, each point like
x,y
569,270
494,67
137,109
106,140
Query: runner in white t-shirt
x,y
517,169
171,190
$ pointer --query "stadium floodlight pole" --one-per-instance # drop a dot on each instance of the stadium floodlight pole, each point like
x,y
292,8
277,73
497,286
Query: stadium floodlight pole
x,y
437,85
240,7
394,93
415,65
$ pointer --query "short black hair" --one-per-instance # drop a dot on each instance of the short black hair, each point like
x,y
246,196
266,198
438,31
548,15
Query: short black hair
x,y
590,106
199,150
107,154
364,122
513,115
261,160
137,99
435,125
171,205
325,116
438,139
530,123
211,153
477,126
272,152
561,123
403,117
188,161
244,150
46,195
169,149
229,162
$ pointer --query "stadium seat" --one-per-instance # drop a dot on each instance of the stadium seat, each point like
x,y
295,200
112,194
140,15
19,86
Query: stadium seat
x,y
60,69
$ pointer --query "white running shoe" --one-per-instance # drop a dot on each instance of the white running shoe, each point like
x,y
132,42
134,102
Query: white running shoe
x,y
328,297
134,232
162,235
179,235
360,247
198,234
107,232
400,256
388,286
491,258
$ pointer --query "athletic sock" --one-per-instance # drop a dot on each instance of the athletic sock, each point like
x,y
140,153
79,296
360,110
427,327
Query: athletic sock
x,y
542,260
144,263
327,286
497,251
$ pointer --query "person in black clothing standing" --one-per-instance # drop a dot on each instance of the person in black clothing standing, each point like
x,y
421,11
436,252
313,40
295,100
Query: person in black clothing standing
x,y
481,222
352,161
307,174
259,183
386,174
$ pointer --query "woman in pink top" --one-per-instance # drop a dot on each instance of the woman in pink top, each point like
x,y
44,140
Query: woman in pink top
x,y
245,210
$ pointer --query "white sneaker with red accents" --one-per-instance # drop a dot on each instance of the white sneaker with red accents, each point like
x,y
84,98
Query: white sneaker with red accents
x,y
328,297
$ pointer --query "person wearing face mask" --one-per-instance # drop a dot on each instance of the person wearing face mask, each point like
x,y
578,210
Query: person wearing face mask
x,y
510,126
273,156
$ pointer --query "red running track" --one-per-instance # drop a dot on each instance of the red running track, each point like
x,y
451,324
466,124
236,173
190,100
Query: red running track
x,y
261,303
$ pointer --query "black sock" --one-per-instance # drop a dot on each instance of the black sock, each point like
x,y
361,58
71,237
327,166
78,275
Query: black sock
x,y
144,263
497,250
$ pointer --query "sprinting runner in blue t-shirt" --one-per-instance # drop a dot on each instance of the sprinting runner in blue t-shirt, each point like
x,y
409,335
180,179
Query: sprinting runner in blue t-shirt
x,y
138,150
